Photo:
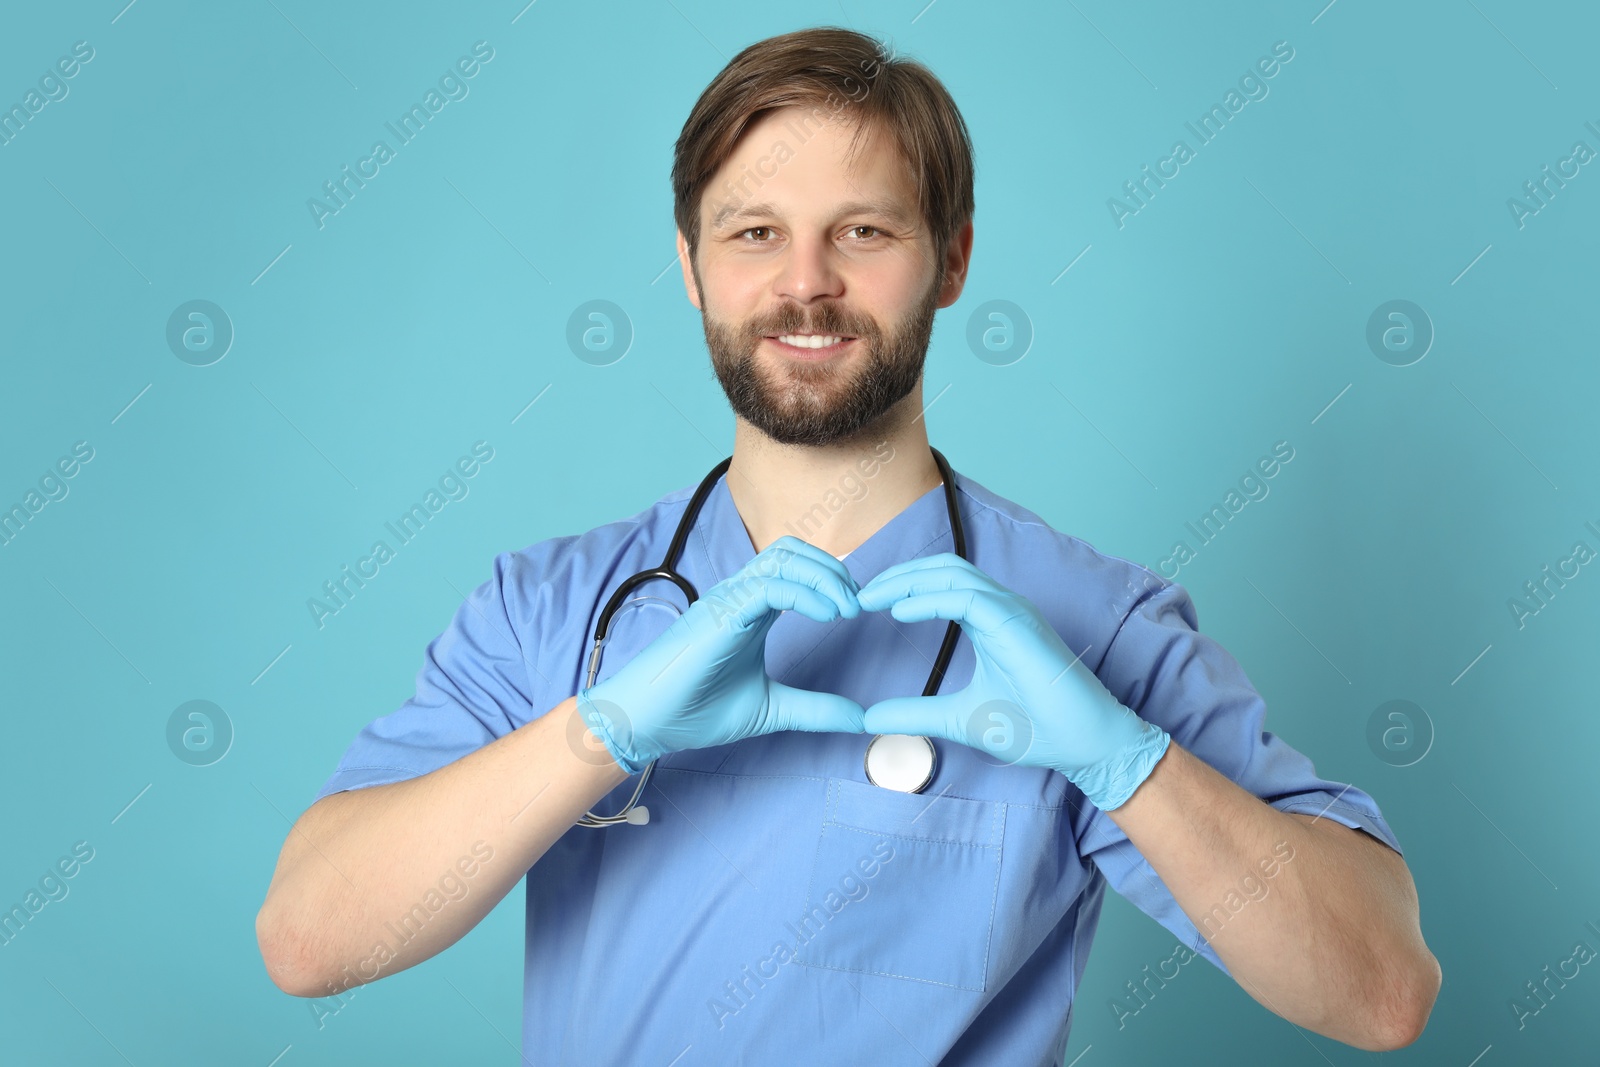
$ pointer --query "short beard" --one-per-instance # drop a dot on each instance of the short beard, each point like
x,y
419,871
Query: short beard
x,y
812,404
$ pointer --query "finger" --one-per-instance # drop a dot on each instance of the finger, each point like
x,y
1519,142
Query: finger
x,y
882,592
924,716
814,591
936,571
828,560
752,604
938,559
803,709
804,563
977,610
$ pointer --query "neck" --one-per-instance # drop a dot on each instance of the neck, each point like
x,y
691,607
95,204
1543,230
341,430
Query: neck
x,y
832,496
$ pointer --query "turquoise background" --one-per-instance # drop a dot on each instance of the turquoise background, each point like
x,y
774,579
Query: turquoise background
x,y
369,354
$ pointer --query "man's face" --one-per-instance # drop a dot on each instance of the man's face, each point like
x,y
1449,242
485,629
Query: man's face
x,y
799,252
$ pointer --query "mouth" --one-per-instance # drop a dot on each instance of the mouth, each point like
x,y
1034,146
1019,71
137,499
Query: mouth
x,y
811,347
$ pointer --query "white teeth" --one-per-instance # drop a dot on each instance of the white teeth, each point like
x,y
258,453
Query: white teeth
x,y
812,341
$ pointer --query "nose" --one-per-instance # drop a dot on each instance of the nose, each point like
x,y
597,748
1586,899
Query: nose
x,y
809,271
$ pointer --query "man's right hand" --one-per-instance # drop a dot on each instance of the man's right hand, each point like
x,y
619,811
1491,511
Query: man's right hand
x,y
704,681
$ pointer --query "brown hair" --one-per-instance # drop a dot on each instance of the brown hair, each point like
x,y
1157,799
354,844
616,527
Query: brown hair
x,y
831,72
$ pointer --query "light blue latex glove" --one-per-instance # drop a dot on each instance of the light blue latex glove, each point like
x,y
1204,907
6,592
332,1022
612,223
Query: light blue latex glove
x,y
1031,701
703,681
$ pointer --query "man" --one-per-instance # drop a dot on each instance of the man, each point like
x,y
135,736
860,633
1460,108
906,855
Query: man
x,y
778,906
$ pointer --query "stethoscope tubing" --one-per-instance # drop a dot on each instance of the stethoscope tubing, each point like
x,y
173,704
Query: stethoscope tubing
x,y
680,538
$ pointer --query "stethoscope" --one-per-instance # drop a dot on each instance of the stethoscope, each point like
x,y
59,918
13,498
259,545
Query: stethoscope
x,y
903,762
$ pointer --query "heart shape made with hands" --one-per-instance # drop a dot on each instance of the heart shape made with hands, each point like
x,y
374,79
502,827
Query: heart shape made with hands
x,y
1030,701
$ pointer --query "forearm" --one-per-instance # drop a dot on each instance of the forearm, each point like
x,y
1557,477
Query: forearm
x,y
363,868
1329,939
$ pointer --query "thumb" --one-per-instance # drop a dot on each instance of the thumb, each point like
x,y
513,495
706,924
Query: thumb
x,y
926,716
803,709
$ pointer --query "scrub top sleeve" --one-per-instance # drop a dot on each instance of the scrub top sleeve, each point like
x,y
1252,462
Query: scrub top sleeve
x,y
474,686
1162,667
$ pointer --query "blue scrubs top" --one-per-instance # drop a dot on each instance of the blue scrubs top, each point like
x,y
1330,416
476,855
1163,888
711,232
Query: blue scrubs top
x,y
778,907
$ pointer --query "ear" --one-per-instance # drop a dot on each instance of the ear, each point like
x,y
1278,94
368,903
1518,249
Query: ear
x,y
956,260
686,263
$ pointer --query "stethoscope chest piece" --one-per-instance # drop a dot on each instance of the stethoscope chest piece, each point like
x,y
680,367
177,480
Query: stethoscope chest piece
x,y
904,762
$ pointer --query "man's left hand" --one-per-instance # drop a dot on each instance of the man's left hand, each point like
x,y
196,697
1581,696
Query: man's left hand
x,y
1031,700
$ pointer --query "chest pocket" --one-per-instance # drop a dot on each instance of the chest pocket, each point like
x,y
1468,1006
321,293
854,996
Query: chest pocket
x,y
903,885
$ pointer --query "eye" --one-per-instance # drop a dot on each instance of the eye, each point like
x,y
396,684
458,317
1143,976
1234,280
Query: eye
x,y
875,233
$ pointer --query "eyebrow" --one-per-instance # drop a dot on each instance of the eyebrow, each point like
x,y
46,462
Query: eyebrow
x,y
882,208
